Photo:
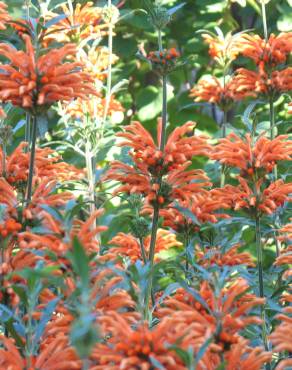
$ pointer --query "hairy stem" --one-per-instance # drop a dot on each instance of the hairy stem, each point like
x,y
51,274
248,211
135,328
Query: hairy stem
x,y
90,178
264,17
224,122
27,131
272,128
109,70
143,252
32,159
4,154
164,112
261,283
154,229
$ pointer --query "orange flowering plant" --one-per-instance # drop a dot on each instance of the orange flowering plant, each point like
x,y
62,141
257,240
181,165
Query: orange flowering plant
x,y
139,230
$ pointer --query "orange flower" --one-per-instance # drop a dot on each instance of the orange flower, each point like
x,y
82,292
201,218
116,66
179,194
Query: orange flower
x,y
272,52
211,90
242,196
281,336
57,355
82,22
47,164
221,48
127,245
227,314
248,83
79,109
30,82
203,205
252,157
181,146
4,16
135,347
220,257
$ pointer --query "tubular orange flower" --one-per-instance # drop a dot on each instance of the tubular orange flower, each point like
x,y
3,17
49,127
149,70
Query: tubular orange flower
x,y
246,83
30,82
281,336
79,109
217,256
211,90
242,196
221,48
47,164
251,157
127,245
272,52
203,205
4,16
181,146
57,355
82,22
129,347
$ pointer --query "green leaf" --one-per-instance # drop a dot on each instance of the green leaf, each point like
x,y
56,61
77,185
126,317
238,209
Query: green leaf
x,y
55,20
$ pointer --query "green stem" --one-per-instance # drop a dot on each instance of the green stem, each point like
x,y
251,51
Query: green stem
x,y
32,159
27,131
154,229
222,177
159,40
109,70
143,252
90,177
272,127
264,16
4,154
261,282
164,112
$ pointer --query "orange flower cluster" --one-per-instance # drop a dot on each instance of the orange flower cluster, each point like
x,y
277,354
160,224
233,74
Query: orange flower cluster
x,y
210,89
4,16
48,164
128,246
85,21
266,200
10,227
252,157
30,82
150,163
203,205
280,338
220,257
221,48
232,307
272,52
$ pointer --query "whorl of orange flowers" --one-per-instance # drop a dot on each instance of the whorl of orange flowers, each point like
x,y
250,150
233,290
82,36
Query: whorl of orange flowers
x,y
274,51
210,89
221,48
85,21
4,16
281,337
251,157
127,245
48,164
203,205
131,347
57,355
248,83
266,200
220,257
180,147
29,81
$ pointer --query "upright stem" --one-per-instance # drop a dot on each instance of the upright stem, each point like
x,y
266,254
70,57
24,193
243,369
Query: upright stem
x,y
143,252
109,70
264,16
272,127
32,159
27,131
222,177
4,153
90,178
164,112
261,282
154,229
159,40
